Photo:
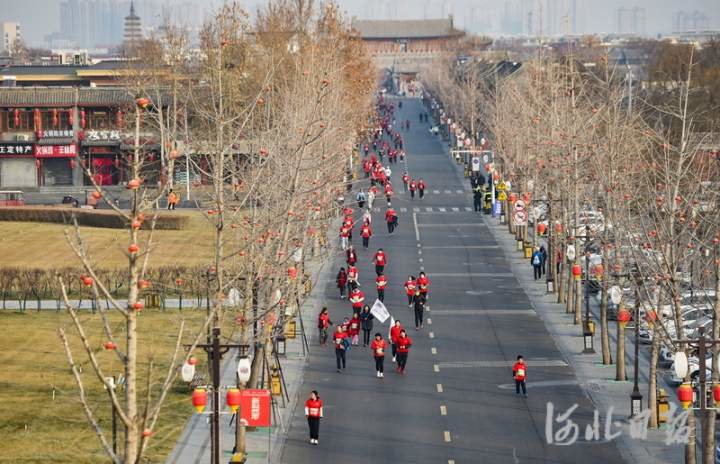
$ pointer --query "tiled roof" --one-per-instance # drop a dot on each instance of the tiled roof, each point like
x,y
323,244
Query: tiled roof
x,y
62,96
405,29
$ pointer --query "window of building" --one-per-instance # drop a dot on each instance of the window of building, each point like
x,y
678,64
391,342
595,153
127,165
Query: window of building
x,y
99,120
25,121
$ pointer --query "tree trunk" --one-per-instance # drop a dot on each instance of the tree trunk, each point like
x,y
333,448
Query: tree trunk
x,y
620,374
578,301
708,446
652,381
570,292
691,446
604,334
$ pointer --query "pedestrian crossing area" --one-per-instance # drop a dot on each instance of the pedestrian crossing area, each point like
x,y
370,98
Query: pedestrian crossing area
x,y
429,209
448,192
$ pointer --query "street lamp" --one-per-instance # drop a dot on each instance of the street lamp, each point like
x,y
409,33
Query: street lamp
x,y
636,396
589,326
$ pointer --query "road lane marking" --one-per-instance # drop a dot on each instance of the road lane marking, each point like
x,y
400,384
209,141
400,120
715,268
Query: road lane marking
x,y
436,192
486,312
540,362
451,461
429,321
403,210
442,210
417,231
448,192
433,350
466,224
459,191
474,274
458,247
456,209
420,260
422,268
416,209
443,410
428,209
419,251
447,436
436,368
431,335
439,388
467,208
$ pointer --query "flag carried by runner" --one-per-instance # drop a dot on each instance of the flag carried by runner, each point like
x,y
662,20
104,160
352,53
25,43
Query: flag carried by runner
x,y
380,311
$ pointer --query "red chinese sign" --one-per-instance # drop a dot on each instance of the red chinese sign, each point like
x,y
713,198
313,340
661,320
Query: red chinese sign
x,y
255,408
55,151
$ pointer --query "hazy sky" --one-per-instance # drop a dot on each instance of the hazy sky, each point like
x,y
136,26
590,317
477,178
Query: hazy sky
x,y
495,17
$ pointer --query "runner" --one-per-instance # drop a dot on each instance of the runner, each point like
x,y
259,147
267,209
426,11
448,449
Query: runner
x,y
341,280
413,187
380,260
344,237
519,375
406,181
423,284
394,334
354,328
352,278
421,188
391,218
351,256
419,306
381,282
340,340
366,324
324,323
378,348
366,233
367,217
357,298
388,191
313,412
403,349
410,287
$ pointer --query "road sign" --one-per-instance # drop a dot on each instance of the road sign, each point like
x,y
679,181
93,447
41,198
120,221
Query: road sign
x,y
475,164
502,196
570,253
519,205
520,218
486,159
255,408
501,186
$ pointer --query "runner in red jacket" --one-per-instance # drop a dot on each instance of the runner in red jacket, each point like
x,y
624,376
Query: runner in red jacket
x,y
351,256
324,323
354,329
413,187
378,349
339,340
394,334
421,188
313,412
519,375
366,233
381,282
403,349
423,284
357,297
380,260
391,218
410,287
388,191
406,181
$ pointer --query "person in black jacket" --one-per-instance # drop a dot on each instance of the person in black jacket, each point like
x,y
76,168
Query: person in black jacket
x,y
366,323
419,306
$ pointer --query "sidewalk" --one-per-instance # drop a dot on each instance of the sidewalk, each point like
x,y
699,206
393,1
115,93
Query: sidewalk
x,y
597,380
264,445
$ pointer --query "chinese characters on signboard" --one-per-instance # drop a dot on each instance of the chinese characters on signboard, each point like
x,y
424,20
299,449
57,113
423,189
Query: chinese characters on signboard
x,y
255,408
21,149
98,135
55,151
57,134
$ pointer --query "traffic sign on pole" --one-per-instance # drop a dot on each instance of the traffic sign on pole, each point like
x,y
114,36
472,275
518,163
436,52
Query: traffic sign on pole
x,y
520,218
475,164
519,205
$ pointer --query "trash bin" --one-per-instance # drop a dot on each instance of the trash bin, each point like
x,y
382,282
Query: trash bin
x,y
152,300
663,406
528,250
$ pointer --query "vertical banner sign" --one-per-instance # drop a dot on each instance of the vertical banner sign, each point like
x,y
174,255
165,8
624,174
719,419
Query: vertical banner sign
x,y
255,408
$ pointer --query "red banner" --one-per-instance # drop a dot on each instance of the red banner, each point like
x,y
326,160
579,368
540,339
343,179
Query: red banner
x,y
255,408
55,151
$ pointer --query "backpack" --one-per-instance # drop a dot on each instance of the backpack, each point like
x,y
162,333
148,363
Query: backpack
x,y
536,260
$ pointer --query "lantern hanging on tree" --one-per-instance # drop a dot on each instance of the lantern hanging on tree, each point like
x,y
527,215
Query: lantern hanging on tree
x,y
16,118
685,395
199,399
577,271
232,398
541,227
623,317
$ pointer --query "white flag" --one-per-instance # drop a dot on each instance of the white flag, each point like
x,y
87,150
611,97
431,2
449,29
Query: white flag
x,y
379,311
392,323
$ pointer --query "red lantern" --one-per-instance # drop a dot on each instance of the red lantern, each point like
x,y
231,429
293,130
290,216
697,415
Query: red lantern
x,y
179,282
37,163
199,399
558,228
685,395
71,116
96,195
82,119
541,227
55,118
136,224
16,117
146,433
133,248
142,102
143,284
87,281
599,270
138,305
651,316
623,317
577,271
512,198
109,346
716,393
133,184
192,361
292,272
37,119
233,399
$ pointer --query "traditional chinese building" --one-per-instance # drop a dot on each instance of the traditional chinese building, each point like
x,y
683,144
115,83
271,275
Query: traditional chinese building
x,y
405,46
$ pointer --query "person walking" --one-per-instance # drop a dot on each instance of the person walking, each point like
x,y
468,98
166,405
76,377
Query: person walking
x,y
342,281
324,323
354,328
391,218
423,285
366,324
536,262
344,237
360,197
351,256
352,278
478,197
172,200
394,334
410,287
366,233
388,191
406,181
357,298
314,412
419,307
341,342
381,282
421,188
380,260
543,258
372,193
519,375
403,350
413,187
378,348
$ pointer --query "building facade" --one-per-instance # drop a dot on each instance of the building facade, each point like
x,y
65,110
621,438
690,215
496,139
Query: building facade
x,y
10,35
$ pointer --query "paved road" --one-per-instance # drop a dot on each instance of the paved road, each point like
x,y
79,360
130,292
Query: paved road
x,y
453,404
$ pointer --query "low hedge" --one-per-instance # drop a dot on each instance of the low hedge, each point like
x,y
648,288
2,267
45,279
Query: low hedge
x,y
86,217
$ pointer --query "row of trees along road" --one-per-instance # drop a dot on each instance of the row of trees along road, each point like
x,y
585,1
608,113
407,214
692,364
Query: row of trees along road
x,y
269,113
574,138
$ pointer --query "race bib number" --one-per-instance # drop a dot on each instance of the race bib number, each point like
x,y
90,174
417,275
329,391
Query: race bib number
x,y
521,372
354,325
379,351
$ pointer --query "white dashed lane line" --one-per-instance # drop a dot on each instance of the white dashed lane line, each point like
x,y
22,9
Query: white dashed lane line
x,y
433,350
439,388
446,435
443,410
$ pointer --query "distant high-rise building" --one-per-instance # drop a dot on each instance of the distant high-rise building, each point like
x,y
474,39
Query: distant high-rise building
x,y
10,34
132,33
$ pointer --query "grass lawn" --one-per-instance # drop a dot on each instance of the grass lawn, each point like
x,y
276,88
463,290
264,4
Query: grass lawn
x,y
43,245
37,428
